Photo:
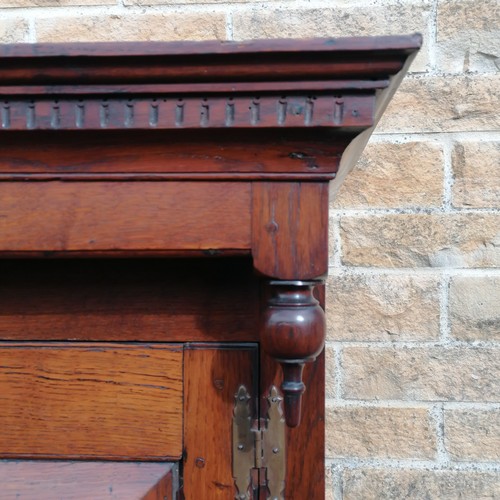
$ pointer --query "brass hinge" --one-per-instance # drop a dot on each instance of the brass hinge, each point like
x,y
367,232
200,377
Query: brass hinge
x,y
259,458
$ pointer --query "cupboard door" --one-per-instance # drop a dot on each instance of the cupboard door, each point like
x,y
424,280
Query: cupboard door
x,y
134,402
212,375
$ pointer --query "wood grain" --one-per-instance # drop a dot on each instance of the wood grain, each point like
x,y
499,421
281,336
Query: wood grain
x,y
139,154
242,168
124,216
290,229
69,400
39,480
211,47
212,377
151,300
207,61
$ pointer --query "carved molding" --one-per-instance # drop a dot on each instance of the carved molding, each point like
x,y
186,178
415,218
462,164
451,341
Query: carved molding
x,y
293,333
187,112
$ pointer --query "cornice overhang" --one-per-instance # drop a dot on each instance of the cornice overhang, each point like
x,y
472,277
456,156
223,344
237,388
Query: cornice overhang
x,y
287,96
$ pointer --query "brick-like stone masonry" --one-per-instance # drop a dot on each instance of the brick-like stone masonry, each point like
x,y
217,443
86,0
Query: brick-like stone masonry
x,y
413,349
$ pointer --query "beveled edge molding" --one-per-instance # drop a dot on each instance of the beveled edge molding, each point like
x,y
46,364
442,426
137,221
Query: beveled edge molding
x,y
362,58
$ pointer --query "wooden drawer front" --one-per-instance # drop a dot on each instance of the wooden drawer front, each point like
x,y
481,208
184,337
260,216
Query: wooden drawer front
x,y
111,401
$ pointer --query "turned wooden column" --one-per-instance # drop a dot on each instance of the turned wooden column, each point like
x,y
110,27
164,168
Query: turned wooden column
x,y
293,332
290,248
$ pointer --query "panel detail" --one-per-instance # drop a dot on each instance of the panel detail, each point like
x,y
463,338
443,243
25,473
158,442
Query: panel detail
x,y
112,216
73,400
213,374
123,300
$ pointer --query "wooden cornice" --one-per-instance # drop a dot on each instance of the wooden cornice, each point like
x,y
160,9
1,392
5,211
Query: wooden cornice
x,y
259,84
190,62
281,100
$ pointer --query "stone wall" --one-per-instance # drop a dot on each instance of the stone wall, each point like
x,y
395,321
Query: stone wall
x,y
413,373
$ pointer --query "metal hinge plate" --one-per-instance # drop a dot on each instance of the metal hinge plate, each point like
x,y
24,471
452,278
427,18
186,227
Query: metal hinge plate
x,y
258,447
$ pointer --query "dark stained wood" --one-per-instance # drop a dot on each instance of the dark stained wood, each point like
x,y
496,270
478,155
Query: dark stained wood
x,y
306,478
293,332
196,88
123,216
198,70
154,155
280,85
120,401
254,111
212,377
39,480
163,490
379,44
213,253
207,61
305,443
148,150
195,176
290,229
152,300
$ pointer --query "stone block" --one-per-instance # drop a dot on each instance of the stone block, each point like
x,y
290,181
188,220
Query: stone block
x,y
154,26
472,435
330,373
53,3
183,2
375,432
475,308
468,36
421,374
13,30
329,483
476,171
382,307
395,175
443,104
394,484
421,240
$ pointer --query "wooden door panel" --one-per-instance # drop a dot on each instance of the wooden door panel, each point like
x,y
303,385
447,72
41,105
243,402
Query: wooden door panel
x,y
39,480
213,374
93,400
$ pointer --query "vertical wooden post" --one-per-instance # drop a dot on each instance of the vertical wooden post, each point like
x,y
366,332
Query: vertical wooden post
x,y
290,244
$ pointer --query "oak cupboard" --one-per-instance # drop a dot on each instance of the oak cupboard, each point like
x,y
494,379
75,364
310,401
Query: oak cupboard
x,y
163,246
